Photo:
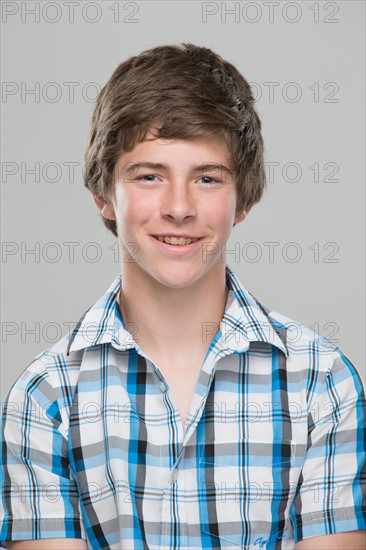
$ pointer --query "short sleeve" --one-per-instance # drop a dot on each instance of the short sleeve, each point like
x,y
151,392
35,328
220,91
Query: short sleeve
x,y
330,497
39,496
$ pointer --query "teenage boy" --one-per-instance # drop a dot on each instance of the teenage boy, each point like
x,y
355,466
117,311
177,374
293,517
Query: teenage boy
x,y
181,412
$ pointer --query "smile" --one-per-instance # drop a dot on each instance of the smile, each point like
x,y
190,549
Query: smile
x,y
174,244
177,240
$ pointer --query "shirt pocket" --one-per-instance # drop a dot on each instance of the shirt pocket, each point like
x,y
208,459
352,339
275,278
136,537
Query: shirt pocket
x,y
246,486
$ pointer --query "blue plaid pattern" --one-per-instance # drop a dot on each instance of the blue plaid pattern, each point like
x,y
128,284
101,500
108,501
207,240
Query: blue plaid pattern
x,y
273,450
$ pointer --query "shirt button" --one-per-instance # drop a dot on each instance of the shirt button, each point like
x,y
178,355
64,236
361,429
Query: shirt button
x,y
162,386
174,475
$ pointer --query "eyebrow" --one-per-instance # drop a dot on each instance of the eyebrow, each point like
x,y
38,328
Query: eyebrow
x,y
204,167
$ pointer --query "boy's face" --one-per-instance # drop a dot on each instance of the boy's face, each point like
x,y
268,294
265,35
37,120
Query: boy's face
x,y
180,198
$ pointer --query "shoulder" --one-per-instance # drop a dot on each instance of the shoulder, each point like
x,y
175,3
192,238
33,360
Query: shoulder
x,y
318,357
51,378
298,334
47,385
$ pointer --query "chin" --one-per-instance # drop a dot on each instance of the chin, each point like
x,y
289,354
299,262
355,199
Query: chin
x,y
177,278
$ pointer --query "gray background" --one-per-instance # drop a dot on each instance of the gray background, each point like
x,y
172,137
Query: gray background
x,y
309,51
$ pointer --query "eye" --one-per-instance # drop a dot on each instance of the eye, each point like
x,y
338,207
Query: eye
x,y
209,178
212,180
146,176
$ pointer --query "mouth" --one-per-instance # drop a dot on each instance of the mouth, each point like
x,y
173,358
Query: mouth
x,y
180,244
176,240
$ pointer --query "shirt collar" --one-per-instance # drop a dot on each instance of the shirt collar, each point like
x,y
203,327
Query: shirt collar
x,y
245,320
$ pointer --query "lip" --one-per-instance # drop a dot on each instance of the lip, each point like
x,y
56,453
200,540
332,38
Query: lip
x,y
183,236
177,249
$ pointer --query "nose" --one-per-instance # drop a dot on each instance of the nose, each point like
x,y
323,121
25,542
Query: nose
x,y
178,201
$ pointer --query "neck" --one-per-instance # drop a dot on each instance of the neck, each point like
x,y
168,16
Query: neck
x,y
164,318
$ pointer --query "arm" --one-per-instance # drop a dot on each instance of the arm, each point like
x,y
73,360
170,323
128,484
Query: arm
x,y
339,541
39,497
331,489
48,544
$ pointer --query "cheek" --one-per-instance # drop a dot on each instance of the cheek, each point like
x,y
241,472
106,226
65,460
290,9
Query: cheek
x,y
134,209
221,210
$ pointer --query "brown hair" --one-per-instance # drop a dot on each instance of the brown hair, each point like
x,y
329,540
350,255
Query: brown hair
x,y
184,91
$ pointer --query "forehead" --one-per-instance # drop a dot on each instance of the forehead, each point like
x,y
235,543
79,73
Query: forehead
x,y
205,149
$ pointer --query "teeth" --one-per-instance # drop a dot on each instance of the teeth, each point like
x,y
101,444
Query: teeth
x,y
174,240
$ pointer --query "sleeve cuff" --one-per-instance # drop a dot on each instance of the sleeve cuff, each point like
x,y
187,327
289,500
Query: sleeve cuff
x,y
44,528
316,524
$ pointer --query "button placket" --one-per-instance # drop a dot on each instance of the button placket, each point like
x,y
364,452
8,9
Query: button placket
x,y
181,507
170,491
167,505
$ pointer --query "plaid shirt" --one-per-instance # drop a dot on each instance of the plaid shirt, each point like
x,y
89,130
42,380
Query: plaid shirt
x,y
273,450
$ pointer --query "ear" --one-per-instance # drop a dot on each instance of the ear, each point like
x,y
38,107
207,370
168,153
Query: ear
x,y
241,217
106,209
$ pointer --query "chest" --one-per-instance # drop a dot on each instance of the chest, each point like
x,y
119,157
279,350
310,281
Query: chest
x,y
181,371
181,374
181,387
126,433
